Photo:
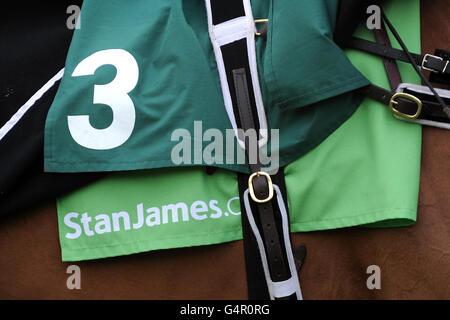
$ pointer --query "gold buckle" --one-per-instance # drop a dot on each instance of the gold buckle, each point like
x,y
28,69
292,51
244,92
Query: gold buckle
x,y
258,34
406,96
251,190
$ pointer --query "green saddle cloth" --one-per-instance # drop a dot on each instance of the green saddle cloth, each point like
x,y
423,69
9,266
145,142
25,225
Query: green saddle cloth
x,y
366,173
137,72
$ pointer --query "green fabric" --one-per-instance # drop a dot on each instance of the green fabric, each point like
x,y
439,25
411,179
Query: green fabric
x,y
158,188
366,173
177,82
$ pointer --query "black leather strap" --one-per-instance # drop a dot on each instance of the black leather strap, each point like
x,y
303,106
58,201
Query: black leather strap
x,y
444,106
432,62
257,287
431,109
382,50
266,213
427,61
439,77
235,56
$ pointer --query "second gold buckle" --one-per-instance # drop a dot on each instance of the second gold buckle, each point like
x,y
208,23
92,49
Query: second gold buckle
x,y
406,96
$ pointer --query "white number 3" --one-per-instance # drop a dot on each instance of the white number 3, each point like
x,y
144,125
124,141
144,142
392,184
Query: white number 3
x,y
113,94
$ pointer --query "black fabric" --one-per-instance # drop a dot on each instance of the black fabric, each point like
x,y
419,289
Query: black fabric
x,y
350,14
37,40
33,41
23,184
224,10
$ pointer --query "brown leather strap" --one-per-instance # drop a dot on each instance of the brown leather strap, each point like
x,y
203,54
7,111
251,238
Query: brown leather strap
x,y
384,96
390,65
431,62
272,242
246,118
384,49
376,93
431,108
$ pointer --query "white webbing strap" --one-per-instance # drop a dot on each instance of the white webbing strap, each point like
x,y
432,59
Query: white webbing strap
x,y
228,32
30,103
282,288
424,90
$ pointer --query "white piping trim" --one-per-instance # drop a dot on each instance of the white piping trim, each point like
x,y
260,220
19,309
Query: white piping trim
x,y
228,32
231,30
424,90
282,288
27,106
431,123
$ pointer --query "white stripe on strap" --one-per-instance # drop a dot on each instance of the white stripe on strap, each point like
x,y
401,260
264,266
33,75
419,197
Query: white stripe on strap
x,y
228,32
24,109
282,288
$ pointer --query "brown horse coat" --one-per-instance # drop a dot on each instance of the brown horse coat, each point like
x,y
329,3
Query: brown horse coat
x,y
414,261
